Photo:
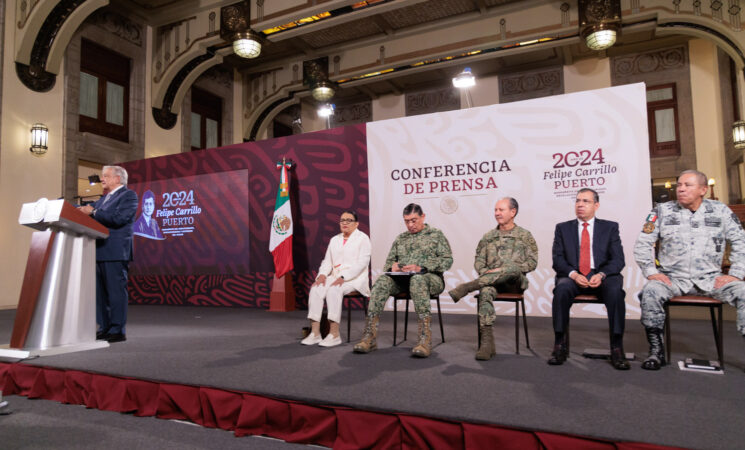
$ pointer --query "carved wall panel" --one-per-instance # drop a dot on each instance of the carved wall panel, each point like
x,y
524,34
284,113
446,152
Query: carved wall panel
x,y
434,100
119,25
352,114
657,67
531,84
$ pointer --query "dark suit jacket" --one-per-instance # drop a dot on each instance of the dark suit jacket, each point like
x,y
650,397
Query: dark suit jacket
x,y
118,215
606,248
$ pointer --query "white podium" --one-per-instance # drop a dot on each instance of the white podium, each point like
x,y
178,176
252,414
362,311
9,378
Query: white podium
x,y
57,307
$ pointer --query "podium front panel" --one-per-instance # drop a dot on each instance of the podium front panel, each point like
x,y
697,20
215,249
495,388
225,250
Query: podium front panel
x,y
66,307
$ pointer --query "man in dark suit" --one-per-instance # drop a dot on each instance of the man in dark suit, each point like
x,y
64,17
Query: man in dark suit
x,y
588,259
116,211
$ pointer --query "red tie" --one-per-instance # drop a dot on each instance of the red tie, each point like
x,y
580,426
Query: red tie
x,y
584,251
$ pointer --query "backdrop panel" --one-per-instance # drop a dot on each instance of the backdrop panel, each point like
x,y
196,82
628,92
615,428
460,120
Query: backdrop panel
x,y
201,225
457,164
226,260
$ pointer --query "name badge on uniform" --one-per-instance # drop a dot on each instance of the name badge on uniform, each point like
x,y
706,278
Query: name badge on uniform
x,y
713,222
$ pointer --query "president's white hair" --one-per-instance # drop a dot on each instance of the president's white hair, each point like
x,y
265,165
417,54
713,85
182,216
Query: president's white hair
x,y
119,171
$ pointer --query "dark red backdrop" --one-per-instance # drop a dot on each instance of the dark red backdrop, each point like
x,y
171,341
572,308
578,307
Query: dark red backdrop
x,y
329,175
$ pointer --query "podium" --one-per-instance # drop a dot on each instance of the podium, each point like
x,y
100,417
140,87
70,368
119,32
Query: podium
x,y
57,307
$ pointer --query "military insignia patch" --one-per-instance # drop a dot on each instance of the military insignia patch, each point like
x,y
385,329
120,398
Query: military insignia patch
x,y
651,217
648,227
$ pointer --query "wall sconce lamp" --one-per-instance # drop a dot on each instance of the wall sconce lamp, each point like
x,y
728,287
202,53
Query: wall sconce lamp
x,y
93,179
599,22
39,138
738,134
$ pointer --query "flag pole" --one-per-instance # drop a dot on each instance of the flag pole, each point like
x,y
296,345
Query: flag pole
x,y
282,295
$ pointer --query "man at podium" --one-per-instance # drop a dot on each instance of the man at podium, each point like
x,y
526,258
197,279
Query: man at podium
x,y
116,211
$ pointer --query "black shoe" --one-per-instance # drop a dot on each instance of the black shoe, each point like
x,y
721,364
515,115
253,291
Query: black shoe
x,y
102,335
558,356
116,337
618,359
653,362
656,357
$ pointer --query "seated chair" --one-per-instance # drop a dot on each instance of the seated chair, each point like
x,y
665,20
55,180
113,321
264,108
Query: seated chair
x,y
405,296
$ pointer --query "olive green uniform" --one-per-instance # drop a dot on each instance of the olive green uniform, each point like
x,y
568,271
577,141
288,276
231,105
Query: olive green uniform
x,y
428,249
515,253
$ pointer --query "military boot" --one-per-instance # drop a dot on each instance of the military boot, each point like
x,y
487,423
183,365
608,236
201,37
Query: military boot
x,y
486,348
656,358
463,289
369,340
424,346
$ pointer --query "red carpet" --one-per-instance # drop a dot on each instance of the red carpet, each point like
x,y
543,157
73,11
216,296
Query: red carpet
x,y
248,414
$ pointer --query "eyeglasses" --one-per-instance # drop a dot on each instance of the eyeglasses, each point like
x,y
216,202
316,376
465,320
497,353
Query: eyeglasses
x,y
347,221
412,221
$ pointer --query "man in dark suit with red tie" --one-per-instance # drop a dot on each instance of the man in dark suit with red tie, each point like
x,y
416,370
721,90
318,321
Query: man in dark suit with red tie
x,y
588,259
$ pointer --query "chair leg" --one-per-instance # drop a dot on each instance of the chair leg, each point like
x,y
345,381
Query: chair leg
x,y
517,328
395,319
478,332
666,331
525,324
406,321
717,331
439,316
349,318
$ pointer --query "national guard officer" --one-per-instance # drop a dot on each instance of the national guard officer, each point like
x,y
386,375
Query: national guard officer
x,y
503,256
424,251
692,233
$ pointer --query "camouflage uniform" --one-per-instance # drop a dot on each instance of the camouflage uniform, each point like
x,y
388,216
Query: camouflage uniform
x,y
428,249
515,253
691,249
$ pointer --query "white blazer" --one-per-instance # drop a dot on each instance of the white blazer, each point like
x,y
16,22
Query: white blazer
x,y
350,260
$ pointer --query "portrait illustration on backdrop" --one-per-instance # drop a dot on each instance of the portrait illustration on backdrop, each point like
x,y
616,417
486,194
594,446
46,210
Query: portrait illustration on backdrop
x,y
146,225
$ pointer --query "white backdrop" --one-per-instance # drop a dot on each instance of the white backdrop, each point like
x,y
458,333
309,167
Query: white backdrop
x,y
457,164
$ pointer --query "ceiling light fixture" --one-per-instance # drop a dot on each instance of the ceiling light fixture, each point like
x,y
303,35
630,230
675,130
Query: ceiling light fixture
x,y
323,91
599,22
600,37
247,44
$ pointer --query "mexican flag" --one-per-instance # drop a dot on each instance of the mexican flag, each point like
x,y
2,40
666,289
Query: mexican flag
x,y
280,241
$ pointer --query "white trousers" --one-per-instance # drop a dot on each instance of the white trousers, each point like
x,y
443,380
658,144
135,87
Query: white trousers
x,y
334,297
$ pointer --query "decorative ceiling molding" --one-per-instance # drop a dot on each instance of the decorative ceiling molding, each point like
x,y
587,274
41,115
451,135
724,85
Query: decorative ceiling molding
x,y
38,69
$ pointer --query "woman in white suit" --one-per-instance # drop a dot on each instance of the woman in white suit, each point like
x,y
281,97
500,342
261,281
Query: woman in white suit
x,y
343,270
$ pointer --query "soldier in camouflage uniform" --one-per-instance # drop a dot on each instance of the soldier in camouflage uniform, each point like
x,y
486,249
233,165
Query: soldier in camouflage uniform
x,y
692,234
423,250
503,256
